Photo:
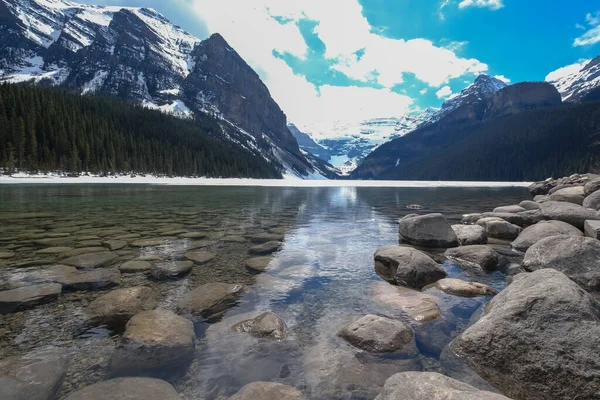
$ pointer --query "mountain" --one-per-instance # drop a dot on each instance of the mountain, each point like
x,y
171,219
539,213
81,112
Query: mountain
x,y
307,144
136,54
580,85
459,122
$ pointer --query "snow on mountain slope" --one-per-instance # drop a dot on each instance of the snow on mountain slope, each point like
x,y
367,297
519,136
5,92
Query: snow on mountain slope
x,y
483,87
575,86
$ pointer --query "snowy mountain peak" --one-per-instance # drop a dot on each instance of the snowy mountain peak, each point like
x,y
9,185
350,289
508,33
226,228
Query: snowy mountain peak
x,y
576,86
483,87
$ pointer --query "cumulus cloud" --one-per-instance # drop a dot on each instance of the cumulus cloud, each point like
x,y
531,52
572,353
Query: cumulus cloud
x,y
502,78
491,4
444,92
564,71
592,35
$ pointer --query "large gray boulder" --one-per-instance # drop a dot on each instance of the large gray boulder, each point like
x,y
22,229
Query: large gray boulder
x,y
117,307
210,300
509,209
34,376
127,388
477,256
267,391
592,229
592,201
498,228
155,342
538,339
529,205
573,195
431,230
407,267
522,218
470,234
568,212
378,334
592,186
534,233
575,256
431,386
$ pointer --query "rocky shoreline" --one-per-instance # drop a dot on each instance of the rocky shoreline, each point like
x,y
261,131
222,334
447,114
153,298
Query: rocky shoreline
x,y
537,338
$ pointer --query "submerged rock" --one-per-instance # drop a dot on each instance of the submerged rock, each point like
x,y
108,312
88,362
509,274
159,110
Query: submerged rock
x,y
406,266
267,325
267,391
419,306
117,307
461,288
91,260
127,388
258,264
135,266
378,334
431,230
114,245
265,248
479,256
211,299
266,237
200,257
533,234
28,296
170,269
73,279
541,322
470,234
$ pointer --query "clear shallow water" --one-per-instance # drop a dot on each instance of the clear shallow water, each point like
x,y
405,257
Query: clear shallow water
x,y
320,280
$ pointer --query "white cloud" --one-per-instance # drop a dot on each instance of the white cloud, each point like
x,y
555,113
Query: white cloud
x,y
502,78
592,36
491,4
564,71
444,92
423,91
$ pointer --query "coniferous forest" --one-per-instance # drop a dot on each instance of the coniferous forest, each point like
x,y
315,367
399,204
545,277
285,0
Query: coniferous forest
x,y
45,130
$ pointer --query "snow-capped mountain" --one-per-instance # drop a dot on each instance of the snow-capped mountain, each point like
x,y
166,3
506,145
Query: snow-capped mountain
x,y
577,86
482,88
137,54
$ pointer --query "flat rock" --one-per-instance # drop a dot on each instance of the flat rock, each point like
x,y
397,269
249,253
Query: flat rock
x,y
34,376
266,237
114,245
509,209
470,234
28,296
156,341
193,235
573,195
267,391
211,299
117,307
200,257
6,254
477,256
378,334
148,242
577,257
84,250
431,386
91,260
267,325
534,233
258,264
171,269
462,288
406,266
419,306
265,248
127,388
135,266
53,250
73,279
592,229
573,214
431,230
541,322
198,244
234,239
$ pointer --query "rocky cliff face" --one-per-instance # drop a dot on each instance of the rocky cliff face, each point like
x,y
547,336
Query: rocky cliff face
x,y
521,97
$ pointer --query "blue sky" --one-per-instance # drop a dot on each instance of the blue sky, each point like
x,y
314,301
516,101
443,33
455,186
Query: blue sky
x,y
330,60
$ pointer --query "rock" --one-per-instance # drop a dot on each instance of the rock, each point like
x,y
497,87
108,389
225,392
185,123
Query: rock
x,y
84,250
28,296
591,187
509,209
470,234
541,198
265,248
406,266
6,254
117,307
266,237
114,245
148,242
431,386
53,250
258,264
73,279
155,342
91,260
502,230
431,230
478,256
200,257
211,299
197,244
34,376
541,322
127,388
471,219
135,266
529,205
378,334
234,239
592,229
533,234
570,195
170,269
267,391
461,288
267,325
419,306
567,212
576,257
561,187
592,201
193,235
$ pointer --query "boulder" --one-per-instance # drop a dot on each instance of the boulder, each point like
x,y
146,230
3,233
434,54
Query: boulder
x,y
570,213
135,266
522,218
406,266
267,391
170,269
509,209
200,257
378,334
529,205
470,219
476,256
541,198
127,388
114,245
534,233
431,230
211,299
155,342
265,248
461,288
34,376
267,325
83,250
470,234
28,296
431,386
91,260
502,229
538,339
573,195
592,229
258,264
419,306
592,201
575,256
117,307
591,187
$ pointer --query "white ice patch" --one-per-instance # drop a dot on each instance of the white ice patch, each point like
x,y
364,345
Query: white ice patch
x,y
96,82
176,108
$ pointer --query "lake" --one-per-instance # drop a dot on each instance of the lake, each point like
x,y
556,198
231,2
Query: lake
x,y
321,279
